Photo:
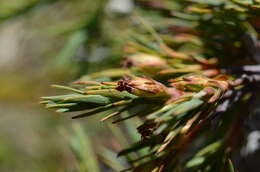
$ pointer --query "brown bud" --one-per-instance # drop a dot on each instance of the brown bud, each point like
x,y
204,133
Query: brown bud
x,y
143,87
145,62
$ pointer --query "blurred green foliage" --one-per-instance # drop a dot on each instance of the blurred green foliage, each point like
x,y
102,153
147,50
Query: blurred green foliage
x,y
51,41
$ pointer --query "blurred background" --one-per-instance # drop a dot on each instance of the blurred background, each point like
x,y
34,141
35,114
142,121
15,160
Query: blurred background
x,y
44,42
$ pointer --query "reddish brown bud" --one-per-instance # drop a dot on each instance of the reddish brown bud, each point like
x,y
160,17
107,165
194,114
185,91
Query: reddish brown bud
x,y
143,87
147,63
